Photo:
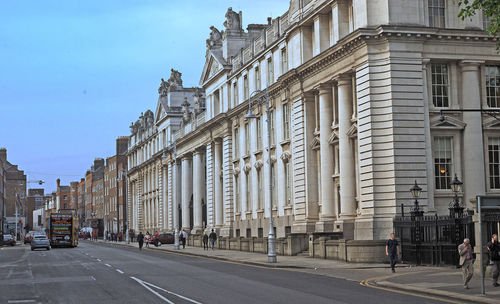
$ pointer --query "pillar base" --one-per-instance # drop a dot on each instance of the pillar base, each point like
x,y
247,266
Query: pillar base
x,y
325,226
197,230
226,231
304,227
346,225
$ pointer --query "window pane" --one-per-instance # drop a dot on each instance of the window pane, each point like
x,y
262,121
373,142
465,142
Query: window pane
x,y
439,75
442,161
493,86
494,161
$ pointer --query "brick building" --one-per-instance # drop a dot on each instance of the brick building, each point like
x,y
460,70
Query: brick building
x,y
94,199
15,183
34,201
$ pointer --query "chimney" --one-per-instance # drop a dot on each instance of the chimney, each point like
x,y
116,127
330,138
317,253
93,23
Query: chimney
x,y
269,19
58,183
3,154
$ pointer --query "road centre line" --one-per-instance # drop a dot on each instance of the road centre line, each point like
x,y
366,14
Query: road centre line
x,y
120,271
21,301
145,285
99,260
107,265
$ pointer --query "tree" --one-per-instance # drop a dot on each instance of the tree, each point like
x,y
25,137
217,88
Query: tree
x,y
491,9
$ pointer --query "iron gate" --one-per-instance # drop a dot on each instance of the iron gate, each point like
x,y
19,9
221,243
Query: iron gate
x,y
433,239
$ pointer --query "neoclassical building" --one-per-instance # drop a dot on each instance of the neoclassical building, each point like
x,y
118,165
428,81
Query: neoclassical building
x,y
355,90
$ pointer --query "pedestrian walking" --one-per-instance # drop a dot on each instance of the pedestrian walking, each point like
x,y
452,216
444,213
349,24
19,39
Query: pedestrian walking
x,y
466,261
147,238
213,238
183,235
391,250
140,239
494,251
132,234
205,241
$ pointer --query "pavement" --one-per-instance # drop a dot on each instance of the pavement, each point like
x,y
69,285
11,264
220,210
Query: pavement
x,y
97,272
443,283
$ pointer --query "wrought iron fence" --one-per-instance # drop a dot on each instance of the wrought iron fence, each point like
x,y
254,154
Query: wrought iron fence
x,y
433,240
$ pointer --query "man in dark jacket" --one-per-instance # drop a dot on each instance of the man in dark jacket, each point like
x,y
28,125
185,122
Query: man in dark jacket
x,y
140,239
213,238
494,251
391,250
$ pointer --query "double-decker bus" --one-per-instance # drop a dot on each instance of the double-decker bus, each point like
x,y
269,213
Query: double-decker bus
x,y
63,229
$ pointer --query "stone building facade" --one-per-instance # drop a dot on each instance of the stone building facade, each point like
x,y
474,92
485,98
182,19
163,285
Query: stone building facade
x,y
355,90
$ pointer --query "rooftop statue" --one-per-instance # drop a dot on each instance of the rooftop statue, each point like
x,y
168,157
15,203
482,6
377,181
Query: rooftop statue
x,y
175,78
215,38
163,89
233,21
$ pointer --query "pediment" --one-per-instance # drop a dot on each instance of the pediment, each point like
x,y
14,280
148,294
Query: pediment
x,y
213,65
491,123
160,110
353,131
449,122
315,143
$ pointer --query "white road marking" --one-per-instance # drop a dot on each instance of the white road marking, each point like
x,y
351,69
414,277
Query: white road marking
x,y
107,265
119,271
144,284
99,260
21,301
92,277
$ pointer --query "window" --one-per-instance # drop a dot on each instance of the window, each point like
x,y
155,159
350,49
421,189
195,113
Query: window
x,y
260,201
493,86
257,78
436,13
270,72
286,122
237,194
246,90
486,22
440,85
284,62
235,94
442,162
494,161
236,141
247,139
248,192
273,132
259,132
287,183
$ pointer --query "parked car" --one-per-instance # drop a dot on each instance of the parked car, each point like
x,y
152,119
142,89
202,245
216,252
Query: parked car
x,y
28,237
9,240
40,241
166,238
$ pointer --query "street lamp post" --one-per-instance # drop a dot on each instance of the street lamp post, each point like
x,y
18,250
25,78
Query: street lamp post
x,y
271,253
456,209
416,216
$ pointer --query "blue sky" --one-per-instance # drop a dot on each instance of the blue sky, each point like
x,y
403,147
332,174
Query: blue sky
x,y
74,74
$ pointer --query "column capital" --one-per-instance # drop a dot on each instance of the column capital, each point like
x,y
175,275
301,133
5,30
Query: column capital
x,y
324,88
470,65
308,96
186,157
343,79
425,63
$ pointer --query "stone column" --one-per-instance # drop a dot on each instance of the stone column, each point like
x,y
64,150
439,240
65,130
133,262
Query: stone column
x,y
187,186
346,152
326,157
428,140
176,193
474,177
219,220
197,192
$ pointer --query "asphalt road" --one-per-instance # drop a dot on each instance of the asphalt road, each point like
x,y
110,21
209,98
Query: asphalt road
x,y
98,273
